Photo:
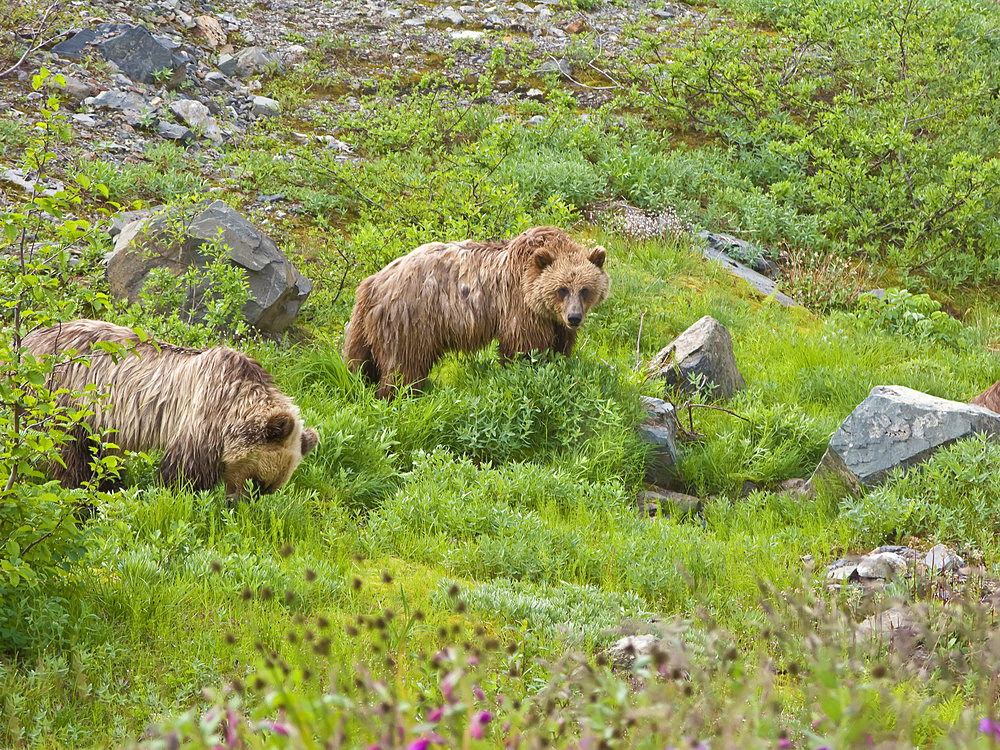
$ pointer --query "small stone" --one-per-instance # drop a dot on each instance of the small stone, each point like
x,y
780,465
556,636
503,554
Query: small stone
x,y
197,117
940,559
266,107
575,27
535,94
210,29
294,54
886,565
174,132
87,121
625,651
467,34
452,16
73,89
841,570
536,120
415,22
666,502
896,623
116,99
247,62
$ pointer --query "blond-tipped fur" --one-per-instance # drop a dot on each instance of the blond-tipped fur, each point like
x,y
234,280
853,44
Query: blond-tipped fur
x,y
990,398
531,293
215,413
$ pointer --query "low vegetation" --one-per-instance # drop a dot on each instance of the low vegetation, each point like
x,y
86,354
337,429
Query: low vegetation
x,y
451,568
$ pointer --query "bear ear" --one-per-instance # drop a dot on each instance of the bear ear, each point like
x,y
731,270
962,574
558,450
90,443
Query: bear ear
x,y
597,256
544,258
279,427
310,439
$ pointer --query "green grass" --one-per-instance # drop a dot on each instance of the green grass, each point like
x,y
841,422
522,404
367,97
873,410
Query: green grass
x,y
500,503
515,481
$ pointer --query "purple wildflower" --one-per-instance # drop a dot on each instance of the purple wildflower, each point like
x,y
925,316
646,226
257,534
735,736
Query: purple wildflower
x,y
991,727
435,715
419,744
479,721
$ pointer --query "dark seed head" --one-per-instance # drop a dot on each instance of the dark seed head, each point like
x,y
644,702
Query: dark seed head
x,y
292,636
418,616
322,647
351,630
310,575
289,596
879,671
286,550
460,607
230,638
356,583
322,622
386,577
512,648
266,592
246,594
216,566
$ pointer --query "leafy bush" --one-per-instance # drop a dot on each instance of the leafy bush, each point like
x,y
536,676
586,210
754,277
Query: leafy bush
x,y
953,497
865,121
913,315
41,540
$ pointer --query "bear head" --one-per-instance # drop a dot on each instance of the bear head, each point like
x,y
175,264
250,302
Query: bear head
x,y
564,279
265,451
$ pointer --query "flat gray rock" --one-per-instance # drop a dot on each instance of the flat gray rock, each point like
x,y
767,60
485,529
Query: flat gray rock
x,y
898,427
277,289
768,287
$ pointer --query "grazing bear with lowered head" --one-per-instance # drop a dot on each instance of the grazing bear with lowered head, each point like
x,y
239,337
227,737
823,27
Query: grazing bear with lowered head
x,y
215,413
531,293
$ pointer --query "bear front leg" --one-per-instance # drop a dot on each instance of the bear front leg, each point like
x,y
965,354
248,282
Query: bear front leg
x,y
192,459
77,459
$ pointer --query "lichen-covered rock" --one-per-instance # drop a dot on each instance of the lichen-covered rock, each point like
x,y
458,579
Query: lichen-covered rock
x,y
897,427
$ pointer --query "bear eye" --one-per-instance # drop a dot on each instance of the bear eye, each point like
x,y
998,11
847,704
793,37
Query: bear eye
x,y
563,292
585,292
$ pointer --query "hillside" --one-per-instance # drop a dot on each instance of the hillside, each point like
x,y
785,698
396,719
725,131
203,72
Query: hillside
x,y
456,568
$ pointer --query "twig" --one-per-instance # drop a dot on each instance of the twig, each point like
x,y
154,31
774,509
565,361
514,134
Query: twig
x,y
638,338
691,406
33,47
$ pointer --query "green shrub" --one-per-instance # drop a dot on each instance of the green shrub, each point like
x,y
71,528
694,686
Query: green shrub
x,y
915,315
953,497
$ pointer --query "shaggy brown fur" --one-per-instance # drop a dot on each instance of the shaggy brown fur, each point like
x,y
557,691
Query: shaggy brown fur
x,y
531,293
215,413
990,398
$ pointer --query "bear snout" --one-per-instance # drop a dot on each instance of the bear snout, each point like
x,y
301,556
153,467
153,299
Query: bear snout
x,y
574,319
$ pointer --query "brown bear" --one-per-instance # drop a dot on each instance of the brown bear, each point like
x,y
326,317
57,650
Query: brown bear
x,y
531,293
215,413
990,398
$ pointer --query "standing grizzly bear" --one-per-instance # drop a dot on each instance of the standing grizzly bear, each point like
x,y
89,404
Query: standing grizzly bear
x,y
990,398
530,292
215,413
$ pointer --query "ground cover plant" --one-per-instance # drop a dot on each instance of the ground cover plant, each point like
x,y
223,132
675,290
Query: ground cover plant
x,y
450,569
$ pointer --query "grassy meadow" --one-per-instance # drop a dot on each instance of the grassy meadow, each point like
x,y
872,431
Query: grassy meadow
x,y
474,550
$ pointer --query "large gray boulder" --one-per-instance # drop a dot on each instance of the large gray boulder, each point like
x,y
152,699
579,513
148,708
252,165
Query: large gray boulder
x,y
173,238
701,357
140,55
659,431
897,427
